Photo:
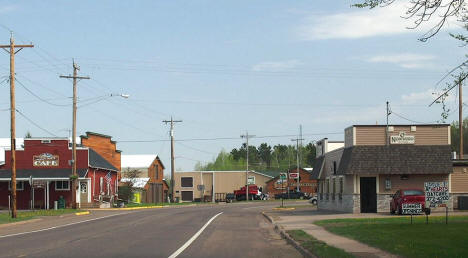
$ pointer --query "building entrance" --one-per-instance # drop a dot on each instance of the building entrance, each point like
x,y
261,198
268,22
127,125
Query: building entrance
x,y
368,195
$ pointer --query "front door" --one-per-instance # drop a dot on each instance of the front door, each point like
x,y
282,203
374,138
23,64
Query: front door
x,y
368,195
83,192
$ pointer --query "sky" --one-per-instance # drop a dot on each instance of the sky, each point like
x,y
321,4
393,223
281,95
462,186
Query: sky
x,y
222,67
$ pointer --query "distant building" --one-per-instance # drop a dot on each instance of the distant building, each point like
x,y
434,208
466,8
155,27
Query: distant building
x,y
150,166
307,183
204,185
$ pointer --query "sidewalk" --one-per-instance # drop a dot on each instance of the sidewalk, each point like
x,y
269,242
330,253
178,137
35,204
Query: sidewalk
x,y
303,219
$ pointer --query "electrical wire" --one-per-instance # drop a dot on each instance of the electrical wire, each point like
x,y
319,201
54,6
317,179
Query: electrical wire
x,y
34,123
413,121
41,99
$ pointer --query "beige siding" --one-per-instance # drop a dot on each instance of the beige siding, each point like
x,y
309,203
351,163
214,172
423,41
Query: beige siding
x,y
224,182
424,134
459,180
413,181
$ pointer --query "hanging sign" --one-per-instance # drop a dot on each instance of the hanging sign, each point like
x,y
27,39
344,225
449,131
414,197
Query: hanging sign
x,y
402,138
251,180
45,160
293,175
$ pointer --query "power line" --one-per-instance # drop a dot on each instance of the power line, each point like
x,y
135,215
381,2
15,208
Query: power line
x,y
410,120
41,99
34,123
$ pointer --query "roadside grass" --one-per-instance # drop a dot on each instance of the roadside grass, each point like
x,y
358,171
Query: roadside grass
x,y
27,215
316,247
398,236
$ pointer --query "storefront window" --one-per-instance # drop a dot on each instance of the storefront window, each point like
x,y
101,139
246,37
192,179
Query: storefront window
x,y
19,185
62,185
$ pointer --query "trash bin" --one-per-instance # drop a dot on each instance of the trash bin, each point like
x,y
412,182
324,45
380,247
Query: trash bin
x,y
61,202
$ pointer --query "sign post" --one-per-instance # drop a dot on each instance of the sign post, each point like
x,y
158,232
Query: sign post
x,y
283,177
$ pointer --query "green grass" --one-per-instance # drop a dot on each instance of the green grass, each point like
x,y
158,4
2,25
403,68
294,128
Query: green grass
x,y
398,236
315,246
27,215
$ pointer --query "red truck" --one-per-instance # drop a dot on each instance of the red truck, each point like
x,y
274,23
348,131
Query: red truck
x,y
254,193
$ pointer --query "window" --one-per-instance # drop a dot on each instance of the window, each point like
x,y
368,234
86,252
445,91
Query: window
x,y
340,195
186,181
334,167
156,171
62,185
19,185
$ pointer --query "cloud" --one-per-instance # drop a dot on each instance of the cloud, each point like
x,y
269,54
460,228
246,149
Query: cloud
x,y
359,23
276,66
405,60
424,97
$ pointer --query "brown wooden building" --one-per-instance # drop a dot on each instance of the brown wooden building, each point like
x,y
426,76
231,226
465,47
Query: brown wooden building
x,y
307,184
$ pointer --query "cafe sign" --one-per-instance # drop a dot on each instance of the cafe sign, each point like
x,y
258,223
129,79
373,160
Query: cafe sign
x,y
402,138
45,160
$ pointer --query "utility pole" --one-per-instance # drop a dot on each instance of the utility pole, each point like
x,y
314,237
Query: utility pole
x,y
460,116
12,53
75,77
297,140
389,112
247,136
172,121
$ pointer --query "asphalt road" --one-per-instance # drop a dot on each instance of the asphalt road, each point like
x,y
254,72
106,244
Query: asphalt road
x,y
239,231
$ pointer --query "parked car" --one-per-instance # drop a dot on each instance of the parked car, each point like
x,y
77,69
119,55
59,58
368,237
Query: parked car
x,y
407,196
313,200
291,195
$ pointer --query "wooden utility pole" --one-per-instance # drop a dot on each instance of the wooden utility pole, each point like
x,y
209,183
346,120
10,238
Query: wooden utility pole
x,y
247,136
172,121
460,116
74,176
12,53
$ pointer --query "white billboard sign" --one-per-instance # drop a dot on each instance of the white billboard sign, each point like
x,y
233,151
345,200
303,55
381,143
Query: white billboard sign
x,y
437,193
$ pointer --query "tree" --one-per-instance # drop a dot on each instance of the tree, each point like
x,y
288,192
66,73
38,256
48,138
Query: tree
x,y
28,135
440,11
455,136
264,152
126,190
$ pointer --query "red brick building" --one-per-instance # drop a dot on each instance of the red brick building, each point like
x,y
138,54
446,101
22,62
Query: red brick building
x,y
44,163
307,184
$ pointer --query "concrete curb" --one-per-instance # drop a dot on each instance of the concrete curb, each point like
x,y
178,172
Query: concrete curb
x,y
82,213
126,209
290,240
283,209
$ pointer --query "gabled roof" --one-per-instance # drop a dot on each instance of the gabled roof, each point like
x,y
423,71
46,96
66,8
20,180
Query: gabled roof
x,y
317,168
57,173
138,160
396,159
97,161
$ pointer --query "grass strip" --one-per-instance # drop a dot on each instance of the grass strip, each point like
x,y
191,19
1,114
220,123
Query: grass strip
x,y
398,236
316,247
27,215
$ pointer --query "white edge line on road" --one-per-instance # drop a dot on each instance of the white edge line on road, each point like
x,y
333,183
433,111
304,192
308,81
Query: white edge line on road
x,y
61,226
190,241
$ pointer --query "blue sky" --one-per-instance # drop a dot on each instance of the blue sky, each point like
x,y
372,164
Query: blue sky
x,y
222,67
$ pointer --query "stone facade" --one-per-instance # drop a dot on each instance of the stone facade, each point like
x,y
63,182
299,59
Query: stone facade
x,y
349,203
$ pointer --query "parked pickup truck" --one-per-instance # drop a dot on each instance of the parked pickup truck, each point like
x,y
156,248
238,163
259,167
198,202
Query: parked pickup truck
x,y
254,193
